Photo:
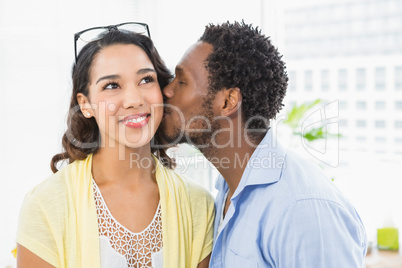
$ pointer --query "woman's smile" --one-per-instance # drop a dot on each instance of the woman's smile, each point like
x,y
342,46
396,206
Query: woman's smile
x,y
136,120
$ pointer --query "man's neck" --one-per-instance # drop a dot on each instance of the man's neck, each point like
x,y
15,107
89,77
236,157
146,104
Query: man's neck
x,y
231,161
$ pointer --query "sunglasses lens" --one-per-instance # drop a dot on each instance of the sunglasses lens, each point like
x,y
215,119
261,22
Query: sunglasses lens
x,y
89,36
133,27
92,35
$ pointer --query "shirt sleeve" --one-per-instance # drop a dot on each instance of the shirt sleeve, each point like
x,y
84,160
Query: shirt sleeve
x,y
318,233
35,232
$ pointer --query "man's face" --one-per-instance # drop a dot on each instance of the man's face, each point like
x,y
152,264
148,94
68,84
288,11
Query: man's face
x,y
189,112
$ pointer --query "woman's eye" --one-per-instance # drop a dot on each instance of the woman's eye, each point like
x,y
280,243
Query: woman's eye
x,y
146,80
111,86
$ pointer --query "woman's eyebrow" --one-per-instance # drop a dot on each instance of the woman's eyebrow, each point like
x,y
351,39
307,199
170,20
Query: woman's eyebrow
x,y
107,77
116,76
146,70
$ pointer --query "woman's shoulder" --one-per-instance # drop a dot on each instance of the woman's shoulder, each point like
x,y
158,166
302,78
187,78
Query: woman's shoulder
x,y
193,189
57,185
46,199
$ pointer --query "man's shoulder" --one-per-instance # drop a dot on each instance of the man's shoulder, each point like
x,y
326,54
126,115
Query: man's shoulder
x,y
305,184
301,174
299,180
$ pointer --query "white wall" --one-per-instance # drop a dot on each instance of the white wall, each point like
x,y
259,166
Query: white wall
x,y
36,54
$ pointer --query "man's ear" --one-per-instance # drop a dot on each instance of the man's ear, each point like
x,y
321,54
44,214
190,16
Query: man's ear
x,y
85,106
233,99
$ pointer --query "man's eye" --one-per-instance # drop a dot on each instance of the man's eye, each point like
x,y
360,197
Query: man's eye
x,y
177,79
112,85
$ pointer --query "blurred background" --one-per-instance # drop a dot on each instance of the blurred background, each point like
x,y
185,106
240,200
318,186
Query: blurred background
x,y
343,108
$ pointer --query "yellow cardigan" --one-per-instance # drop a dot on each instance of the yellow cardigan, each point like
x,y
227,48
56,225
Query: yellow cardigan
x,y
58,220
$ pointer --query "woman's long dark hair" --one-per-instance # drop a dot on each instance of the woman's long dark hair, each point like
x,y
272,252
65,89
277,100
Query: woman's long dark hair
x,y
82,135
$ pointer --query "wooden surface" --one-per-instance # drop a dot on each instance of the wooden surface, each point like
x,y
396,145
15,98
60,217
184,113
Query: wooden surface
x,y
384,259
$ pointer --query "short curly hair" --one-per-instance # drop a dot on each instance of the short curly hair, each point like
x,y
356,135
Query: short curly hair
x,y
243,57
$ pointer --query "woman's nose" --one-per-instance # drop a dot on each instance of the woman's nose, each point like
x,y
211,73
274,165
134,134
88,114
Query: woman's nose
x,y
133,98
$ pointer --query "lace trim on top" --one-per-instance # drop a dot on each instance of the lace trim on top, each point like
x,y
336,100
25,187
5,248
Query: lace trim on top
x,y
137,248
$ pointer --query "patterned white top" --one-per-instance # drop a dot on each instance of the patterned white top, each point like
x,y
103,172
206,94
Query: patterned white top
x,y
121,248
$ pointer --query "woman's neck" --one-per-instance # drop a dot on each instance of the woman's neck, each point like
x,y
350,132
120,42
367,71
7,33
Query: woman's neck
x,y
123,165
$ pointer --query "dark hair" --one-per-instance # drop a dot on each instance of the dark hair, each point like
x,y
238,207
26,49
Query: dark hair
x,y
242,57
82,135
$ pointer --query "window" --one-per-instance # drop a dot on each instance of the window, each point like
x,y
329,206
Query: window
x,y
361,79
343,79
398,78
380,139
361,138
325,80
379,78
398,124
343,105
343,123
292,81
308,80
380,105
292,104
360,123
361,105
398,105
379,124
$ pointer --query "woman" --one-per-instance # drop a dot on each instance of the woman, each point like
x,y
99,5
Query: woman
x,y
115,204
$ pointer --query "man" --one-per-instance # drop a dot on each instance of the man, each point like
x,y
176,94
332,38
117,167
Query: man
x,y
273,208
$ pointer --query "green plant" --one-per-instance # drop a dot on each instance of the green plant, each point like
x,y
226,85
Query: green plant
x,y
297,114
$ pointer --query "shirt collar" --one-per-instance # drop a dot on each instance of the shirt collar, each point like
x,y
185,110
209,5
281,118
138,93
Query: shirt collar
x,y
220,184
264,167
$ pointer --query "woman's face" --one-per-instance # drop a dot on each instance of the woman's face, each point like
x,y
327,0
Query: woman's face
x,y
124,96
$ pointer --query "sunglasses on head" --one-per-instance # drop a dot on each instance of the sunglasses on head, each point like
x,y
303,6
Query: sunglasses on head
x,y
96,33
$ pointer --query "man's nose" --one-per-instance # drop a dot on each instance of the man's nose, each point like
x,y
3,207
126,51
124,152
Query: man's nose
x,y
168,91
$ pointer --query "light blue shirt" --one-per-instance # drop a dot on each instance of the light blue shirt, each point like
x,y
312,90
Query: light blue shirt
x,y
286,213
